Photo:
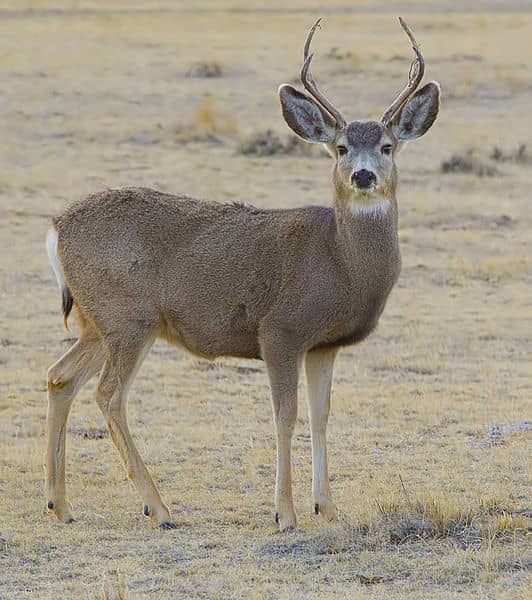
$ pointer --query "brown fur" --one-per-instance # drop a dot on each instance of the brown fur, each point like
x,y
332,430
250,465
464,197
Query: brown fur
x,y
216,279
230,271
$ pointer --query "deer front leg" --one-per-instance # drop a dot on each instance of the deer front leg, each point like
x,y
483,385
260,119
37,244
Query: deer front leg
x,y
319,366
283,374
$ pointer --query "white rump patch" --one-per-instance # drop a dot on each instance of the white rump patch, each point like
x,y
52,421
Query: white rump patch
x,y
51,248
375,209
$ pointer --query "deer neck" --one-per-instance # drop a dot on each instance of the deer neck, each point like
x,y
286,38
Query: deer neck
x,y
366,232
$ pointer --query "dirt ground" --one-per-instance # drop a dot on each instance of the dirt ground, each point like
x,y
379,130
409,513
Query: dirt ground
x,y
429,438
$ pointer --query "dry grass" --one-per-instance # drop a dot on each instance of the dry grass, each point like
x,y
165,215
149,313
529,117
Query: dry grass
x,y
268,143
468,163
208,124
207,69
431,504
114,587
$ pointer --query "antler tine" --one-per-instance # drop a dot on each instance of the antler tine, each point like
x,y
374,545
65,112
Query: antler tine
x,y
415,75
311,86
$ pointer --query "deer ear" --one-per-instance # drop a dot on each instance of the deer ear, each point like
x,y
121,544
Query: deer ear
x,y
304,117
418,114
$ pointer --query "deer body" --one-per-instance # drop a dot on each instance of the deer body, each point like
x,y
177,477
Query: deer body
x,y
285,286
300,271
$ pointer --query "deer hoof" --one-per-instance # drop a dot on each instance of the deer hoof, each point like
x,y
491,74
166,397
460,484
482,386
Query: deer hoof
x,y
289,529
326,509
285,521
167,525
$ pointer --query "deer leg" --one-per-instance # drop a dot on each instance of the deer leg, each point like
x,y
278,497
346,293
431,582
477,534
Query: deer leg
x,y
65,378
319,366
118,373
283,374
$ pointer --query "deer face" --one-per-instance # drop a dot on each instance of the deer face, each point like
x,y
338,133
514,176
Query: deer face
x,y
364,168
364,172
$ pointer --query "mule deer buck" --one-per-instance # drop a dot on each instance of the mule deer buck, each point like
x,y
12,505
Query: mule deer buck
x,y
285,286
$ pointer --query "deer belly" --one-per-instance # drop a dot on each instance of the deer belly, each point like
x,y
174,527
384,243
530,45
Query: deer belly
x,y
212,335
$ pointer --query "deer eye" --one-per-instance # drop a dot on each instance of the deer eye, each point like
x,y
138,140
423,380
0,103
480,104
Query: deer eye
x,y
386,149
342,150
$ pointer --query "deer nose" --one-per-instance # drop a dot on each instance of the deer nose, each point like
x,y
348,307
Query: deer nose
x,y
363,178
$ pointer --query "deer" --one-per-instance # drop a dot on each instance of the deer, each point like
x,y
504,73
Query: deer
x,y
290,287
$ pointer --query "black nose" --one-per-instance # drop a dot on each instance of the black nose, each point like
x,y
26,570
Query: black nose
x,y
364,178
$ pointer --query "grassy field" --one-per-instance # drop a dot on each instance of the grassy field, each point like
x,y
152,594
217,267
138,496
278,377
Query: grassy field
x,y
429,438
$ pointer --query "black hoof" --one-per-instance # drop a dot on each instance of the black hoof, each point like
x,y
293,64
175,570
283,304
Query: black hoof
x,y
276,518
167,525
50,505
146,510
290,529
317,509
71,520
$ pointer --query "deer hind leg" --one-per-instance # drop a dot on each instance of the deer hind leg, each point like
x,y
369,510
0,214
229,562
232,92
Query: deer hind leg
x,y
283,374
319,366
65,378
118,373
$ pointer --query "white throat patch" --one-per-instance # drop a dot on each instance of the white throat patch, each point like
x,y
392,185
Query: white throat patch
x,y
378,208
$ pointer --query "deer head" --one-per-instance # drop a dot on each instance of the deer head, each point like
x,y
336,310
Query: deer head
x,y
364,151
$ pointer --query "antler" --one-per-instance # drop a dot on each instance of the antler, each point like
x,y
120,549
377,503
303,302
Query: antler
x,y
415,75
310,85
